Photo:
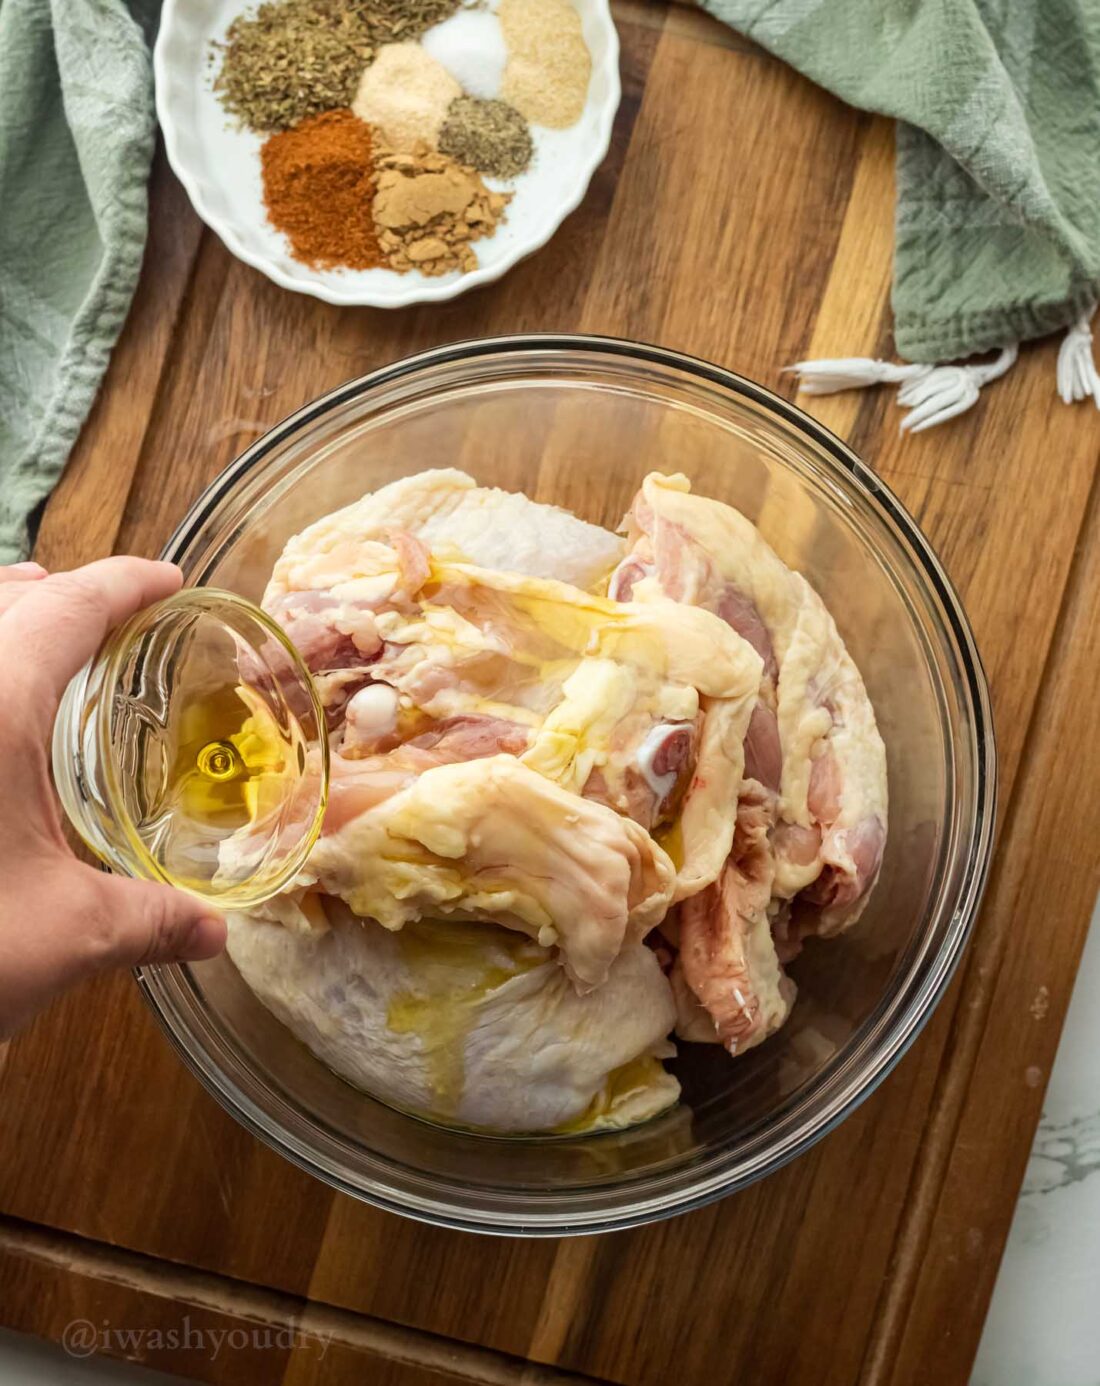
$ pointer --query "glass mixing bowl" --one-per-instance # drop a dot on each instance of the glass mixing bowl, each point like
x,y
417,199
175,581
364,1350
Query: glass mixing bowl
x,y
579,421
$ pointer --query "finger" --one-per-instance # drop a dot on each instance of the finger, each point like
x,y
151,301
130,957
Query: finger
x,y
16,581
22,572
150,923
62,620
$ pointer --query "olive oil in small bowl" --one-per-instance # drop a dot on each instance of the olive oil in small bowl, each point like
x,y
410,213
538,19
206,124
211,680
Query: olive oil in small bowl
x,y
192,750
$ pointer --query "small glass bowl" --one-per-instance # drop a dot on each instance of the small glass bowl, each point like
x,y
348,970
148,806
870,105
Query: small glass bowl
x,y
579,421
196,725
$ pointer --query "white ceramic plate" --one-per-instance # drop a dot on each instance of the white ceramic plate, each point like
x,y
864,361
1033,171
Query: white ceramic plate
x,y
219,165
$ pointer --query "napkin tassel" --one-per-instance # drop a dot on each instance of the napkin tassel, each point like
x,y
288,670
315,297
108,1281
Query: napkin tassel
x,y
1077,377
932,394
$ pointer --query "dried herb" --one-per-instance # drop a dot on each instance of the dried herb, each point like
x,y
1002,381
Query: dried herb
x,y
390,21
490,136
295,58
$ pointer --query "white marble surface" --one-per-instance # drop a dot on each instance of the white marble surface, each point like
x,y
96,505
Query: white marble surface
x,y
1043,1327
26,1361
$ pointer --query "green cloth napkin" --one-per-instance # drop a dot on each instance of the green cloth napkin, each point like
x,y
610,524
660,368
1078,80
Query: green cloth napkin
x,y
76,140
998,151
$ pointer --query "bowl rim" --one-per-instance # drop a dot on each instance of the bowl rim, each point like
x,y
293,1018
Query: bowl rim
x,y
165,75
845,1090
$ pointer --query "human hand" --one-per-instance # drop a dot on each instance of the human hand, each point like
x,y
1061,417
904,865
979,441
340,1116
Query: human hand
x,y
60,919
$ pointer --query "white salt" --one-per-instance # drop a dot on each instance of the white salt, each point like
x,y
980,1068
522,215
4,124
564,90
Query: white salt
x,y
470,45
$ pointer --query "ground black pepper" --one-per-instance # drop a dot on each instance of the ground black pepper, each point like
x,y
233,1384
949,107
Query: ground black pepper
x,y
490,136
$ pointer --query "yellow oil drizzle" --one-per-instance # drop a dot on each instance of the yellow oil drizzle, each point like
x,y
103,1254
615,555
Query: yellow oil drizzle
x,y
456,966
594,626
620,1083
671,837
232,760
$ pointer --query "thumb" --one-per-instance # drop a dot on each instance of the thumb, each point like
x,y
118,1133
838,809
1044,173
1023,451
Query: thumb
x,y
153,923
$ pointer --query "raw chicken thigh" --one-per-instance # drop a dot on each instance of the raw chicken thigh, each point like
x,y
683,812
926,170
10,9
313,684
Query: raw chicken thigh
x,y
491,839
459,522
544,745
471,1023
812,808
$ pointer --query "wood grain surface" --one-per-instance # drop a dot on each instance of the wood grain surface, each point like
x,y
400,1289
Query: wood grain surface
x,y
744,216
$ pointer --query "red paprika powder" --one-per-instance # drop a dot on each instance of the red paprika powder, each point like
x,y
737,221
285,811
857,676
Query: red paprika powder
x,y
319,190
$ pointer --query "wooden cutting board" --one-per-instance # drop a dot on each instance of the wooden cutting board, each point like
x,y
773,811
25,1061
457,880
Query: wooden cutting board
x,y
744,216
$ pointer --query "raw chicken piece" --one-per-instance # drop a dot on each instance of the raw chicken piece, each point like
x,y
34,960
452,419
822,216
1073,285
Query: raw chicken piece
x,y
623,737
832,763
492,839
332,580
852,860
328,634
329,602
467,1022
606,687
472,641
382,567
639,707
510,746
458,521
359,784
471,738
378,719
727,958
649,768
700,842
517,639
693,1021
